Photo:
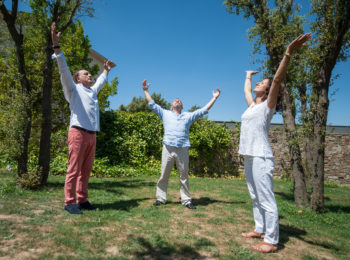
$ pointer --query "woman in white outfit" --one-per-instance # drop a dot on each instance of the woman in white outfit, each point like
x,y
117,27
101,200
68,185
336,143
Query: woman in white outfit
x,y
255,147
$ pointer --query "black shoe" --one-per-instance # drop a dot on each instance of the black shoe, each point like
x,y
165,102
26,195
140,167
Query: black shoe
x,y
73,209
86,205
158,203
190,206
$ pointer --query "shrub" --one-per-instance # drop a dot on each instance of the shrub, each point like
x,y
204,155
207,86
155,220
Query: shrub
x,y
212,151
135,140
129,139
130,144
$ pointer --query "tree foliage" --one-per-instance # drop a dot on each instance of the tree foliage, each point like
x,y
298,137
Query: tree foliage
x,y
140,104
23,124
50,110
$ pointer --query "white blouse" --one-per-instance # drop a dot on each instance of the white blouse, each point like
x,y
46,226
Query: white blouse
x,y
255,124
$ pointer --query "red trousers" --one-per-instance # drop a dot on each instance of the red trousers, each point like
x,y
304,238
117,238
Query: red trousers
x,y
82,146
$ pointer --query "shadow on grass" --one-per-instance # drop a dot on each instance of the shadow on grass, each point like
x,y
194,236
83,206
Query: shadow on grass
x,y
337,208
126,205
205,201
164,250
290,196
286,232
108,184
285,196
117,186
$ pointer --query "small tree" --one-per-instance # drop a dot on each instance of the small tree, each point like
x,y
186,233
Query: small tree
x,y
23,129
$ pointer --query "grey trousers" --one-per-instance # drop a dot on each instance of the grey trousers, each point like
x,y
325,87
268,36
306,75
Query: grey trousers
x,y
170,155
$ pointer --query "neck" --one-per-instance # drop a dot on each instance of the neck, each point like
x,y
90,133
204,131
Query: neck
x,y
259,99
177,112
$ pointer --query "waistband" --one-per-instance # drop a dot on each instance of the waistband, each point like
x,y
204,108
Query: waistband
x,y
84,130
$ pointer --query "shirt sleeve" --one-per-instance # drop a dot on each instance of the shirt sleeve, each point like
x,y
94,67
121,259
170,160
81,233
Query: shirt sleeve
x,y
198,113
268,111
100,82
66,76
156,108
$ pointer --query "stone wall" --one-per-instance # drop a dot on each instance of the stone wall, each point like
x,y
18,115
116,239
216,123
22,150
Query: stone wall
x,y
337,161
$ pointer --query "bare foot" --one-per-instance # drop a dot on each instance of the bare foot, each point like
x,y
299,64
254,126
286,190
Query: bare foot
x,y
253,234
264,247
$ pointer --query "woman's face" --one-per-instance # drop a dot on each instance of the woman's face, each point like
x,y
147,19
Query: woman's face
x,y
261,86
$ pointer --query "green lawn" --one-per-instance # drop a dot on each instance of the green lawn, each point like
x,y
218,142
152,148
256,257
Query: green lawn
x,y
33,224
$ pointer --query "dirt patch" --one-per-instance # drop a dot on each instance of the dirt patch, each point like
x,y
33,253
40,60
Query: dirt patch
x,y
14,218
38,211
112,250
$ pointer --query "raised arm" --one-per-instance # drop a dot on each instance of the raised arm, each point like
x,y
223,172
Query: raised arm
x,y
101,80
212,101
55,39
145,87
66,76
282,69
248,86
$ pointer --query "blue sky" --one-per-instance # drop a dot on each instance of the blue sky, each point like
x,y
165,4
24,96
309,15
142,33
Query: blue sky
x,y
185,49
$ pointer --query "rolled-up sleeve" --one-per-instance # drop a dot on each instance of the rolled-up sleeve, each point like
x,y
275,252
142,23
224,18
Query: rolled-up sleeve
x,y
66,76
156,108
198,113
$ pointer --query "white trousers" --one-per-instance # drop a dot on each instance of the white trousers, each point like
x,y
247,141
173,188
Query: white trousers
x,y
258,171
170,155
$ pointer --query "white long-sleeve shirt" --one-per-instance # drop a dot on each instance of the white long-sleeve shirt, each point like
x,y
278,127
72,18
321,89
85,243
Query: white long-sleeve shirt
x,y
83,101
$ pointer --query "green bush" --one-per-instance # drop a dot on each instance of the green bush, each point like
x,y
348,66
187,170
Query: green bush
x,y
135,140
212,150
129,139
130,144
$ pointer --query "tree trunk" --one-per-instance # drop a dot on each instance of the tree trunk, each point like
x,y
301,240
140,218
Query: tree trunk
x,y
46,124
17,37
318,154
300,193
22,160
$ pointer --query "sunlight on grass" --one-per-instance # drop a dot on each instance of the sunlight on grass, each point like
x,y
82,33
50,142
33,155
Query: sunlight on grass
x,y
127,225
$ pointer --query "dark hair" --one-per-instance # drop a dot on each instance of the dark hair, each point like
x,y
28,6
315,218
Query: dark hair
x,y
76,75
279,97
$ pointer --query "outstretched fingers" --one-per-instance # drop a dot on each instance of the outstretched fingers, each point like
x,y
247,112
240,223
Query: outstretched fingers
x,y
299,41
251,72
217,93
145,86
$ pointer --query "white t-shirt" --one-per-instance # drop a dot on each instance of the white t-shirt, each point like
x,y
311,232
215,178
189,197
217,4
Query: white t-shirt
x,y
255,124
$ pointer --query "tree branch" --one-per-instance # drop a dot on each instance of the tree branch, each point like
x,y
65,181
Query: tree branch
x,y
70,20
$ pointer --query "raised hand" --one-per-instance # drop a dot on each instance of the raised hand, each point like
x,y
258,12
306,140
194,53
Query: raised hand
x,y
217,93
298,42
145,86
250,73
108,65
55,36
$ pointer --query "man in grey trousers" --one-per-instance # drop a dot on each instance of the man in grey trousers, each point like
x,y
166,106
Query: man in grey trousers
x,y
176,144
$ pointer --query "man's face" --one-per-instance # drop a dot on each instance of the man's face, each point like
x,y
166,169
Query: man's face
x,y
85,78
177,105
